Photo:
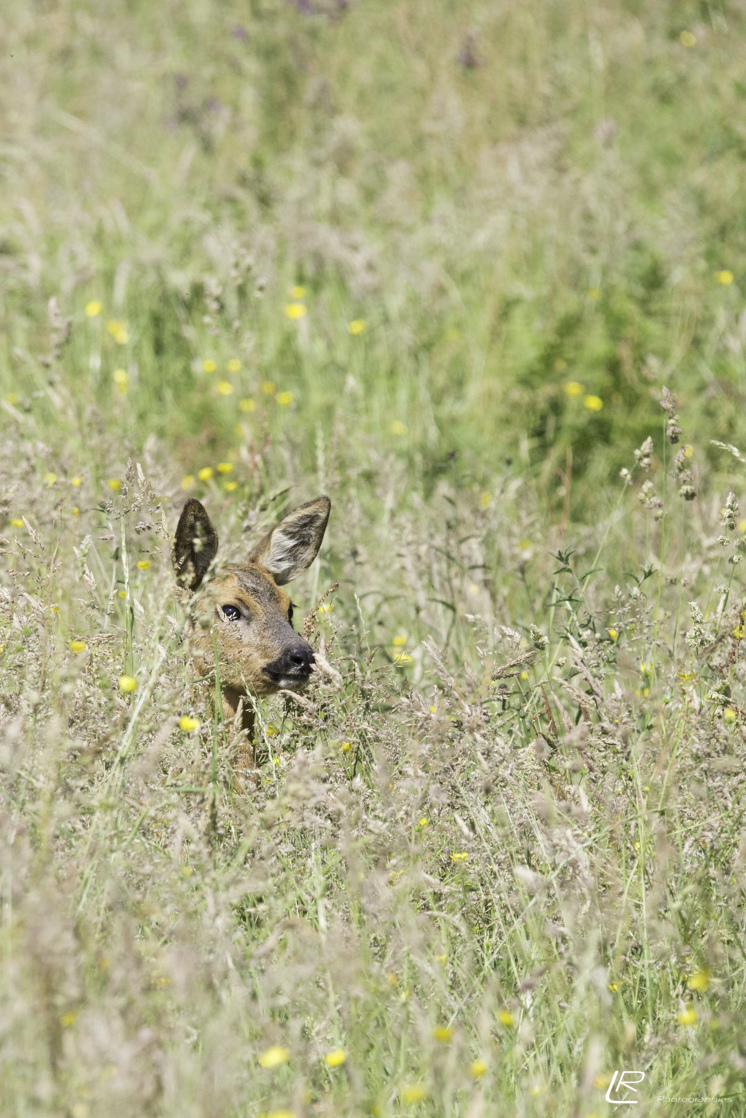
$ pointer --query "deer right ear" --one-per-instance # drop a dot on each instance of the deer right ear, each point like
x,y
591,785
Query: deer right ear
x,y
293,544
195,545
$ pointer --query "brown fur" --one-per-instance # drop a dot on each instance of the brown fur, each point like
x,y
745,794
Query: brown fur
x,y
258,651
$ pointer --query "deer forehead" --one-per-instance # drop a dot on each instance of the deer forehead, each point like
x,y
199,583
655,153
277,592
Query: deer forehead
x,y
254,587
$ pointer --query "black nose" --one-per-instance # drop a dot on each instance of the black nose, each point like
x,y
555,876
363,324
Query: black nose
x,y
300,659
295,662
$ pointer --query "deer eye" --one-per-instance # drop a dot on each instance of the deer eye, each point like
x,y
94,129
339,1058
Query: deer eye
x,y
290,613
230,613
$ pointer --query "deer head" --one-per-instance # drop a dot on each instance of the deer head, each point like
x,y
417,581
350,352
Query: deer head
x,y
242,613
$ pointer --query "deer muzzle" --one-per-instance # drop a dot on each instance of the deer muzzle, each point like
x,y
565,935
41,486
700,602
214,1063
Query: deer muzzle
x,y
292,668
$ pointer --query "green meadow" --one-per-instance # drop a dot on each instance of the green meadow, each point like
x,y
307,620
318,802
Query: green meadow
x,y
476,271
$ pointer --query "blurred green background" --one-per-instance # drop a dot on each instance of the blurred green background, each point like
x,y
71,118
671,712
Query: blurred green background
x,y
533,214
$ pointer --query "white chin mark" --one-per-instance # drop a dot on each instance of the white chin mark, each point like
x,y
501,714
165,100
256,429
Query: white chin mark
x,y
288,684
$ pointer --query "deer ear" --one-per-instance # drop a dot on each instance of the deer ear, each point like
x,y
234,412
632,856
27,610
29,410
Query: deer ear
x,y
195,545
293,544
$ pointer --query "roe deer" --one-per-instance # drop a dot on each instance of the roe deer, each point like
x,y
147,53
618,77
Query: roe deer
x,y
243,613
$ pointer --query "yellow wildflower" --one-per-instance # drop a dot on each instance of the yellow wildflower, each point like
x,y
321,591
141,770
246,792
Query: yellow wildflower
x,y
346,746
188,724
415,1092
93,309
118,331
268,387
247,405
441,959
77,646
485,500
234,365
298,292
127,684
114,483
230,486
688,1017
593,403
76,510
335,1058
357,326
613,634
460,857
205,473
687,39
224,467
12,397
17,522
729,715
295,310
224,387
399,640
402,658
50,479
121,380
477,1069
187,481
594,293
423,821
443,1033
505,1018
76,481
209,365
274,1057
573,388
398,428
143,564
699,981
725,277
284,399
68,1019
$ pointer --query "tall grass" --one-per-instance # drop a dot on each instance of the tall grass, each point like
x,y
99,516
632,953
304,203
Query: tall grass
x,y
437,262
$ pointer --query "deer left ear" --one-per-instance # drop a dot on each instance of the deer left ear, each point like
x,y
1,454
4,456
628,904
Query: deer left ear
x,y
293,544
195,545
